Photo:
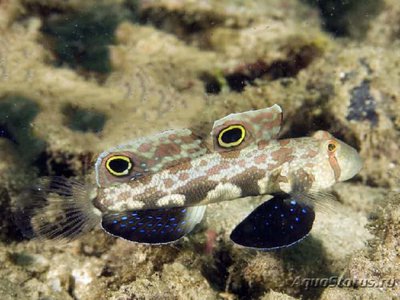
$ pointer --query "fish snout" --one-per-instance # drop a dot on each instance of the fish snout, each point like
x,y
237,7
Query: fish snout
x,y
350,162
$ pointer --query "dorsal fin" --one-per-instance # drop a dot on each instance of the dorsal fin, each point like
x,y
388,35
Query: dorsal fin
x,y
147,155
239,130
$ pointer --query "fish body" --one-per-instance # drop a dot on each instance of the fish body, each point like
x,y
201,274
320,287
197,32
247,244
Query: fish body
x,y
214,177
155,189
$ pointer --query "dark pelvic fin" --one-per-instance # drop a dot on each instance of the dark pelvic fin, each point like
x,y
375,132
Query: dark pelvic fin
x,y
153,226
280,222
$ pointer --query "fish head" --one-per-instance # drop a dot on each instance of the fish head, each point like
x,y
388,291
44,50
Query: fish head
x,y
344,160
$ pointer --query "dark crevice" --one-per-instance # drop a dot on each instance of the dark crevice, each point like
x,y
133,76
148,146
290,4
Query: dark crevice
x,y
63,164
81,39
6,133
186,26
43,11
8,230
83,120
305,122
211,84
347,17
310,255
246,74
217,272
16,116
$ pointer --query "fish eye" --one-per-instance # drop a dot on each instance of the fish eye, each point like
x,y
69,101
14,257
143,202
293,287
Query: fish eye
x,y
231,136
332,146
119,165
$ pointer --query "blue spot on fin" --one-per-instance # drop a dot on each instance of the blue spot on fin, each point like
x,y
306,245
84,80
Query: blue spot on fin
x,y
276,223
153,226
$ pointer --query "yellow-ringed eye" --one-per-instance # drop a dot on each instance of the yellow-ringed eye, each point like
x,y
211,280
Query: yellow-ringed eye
x,y
119,165
332,147
231,136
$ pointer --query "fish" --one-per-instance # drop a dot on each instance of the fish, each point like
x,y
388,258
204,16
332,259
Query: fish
x,y
155,189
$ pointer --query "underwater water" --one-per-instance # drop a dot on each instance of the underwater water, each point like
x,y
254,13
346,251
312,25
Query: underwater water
x,y
79,78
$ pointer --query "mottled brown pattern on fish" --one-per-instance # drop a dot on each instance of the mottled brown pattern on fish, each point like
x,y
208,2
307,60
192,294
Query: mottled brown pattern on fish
x,y
304,180
144,180
184,169
149,197
261,117
231,154
281,156
283,143
188,139
260,159
183,176
168,183
309,165
217,169
310,154
183,166
172,137
167,150
145,147
195,191
270,125
261,145
241,163
203,163
248,181
282,179
191,151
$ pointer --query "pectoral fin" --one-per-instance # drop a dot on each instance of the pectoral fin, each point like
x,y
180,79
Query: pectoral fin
x,y
280,222
153,226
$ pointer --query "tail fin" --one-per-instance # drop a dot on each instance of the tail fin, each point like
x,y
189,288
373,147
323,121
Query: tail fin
x,y
57,208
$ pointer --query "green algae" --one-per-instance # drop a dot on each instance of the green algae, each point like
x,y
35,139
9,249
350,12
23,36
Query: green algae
x,y
347,17
84,120
82,39
16,116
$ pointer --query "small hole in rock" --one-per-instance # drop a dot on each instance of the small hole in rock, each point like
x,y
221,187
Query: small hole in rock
x,y
211,84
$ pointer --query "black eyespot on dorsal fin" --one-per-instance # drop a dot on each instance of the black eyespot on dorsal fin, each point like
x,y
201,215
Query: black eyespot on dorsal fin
x,y
239,130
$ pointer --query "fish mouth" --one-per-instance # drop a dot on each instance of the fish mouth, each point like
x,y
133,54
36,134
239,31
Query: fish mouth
x,y
350,162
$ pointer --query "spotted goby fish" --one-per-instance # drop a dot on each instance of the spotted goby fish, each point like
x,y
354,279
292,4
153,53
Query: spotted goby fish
x,y
155,189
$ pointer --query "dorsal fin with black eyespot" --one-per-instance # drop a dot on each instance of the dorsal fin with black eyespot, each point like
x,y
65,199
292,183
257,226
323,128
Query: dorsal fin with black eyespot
x,y
147,156
237,131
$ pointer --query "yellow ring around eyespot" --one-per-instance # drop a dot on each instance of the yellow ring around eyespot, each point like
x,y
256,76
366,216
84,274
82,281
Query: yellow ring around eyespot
x,y
125,158
233,144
